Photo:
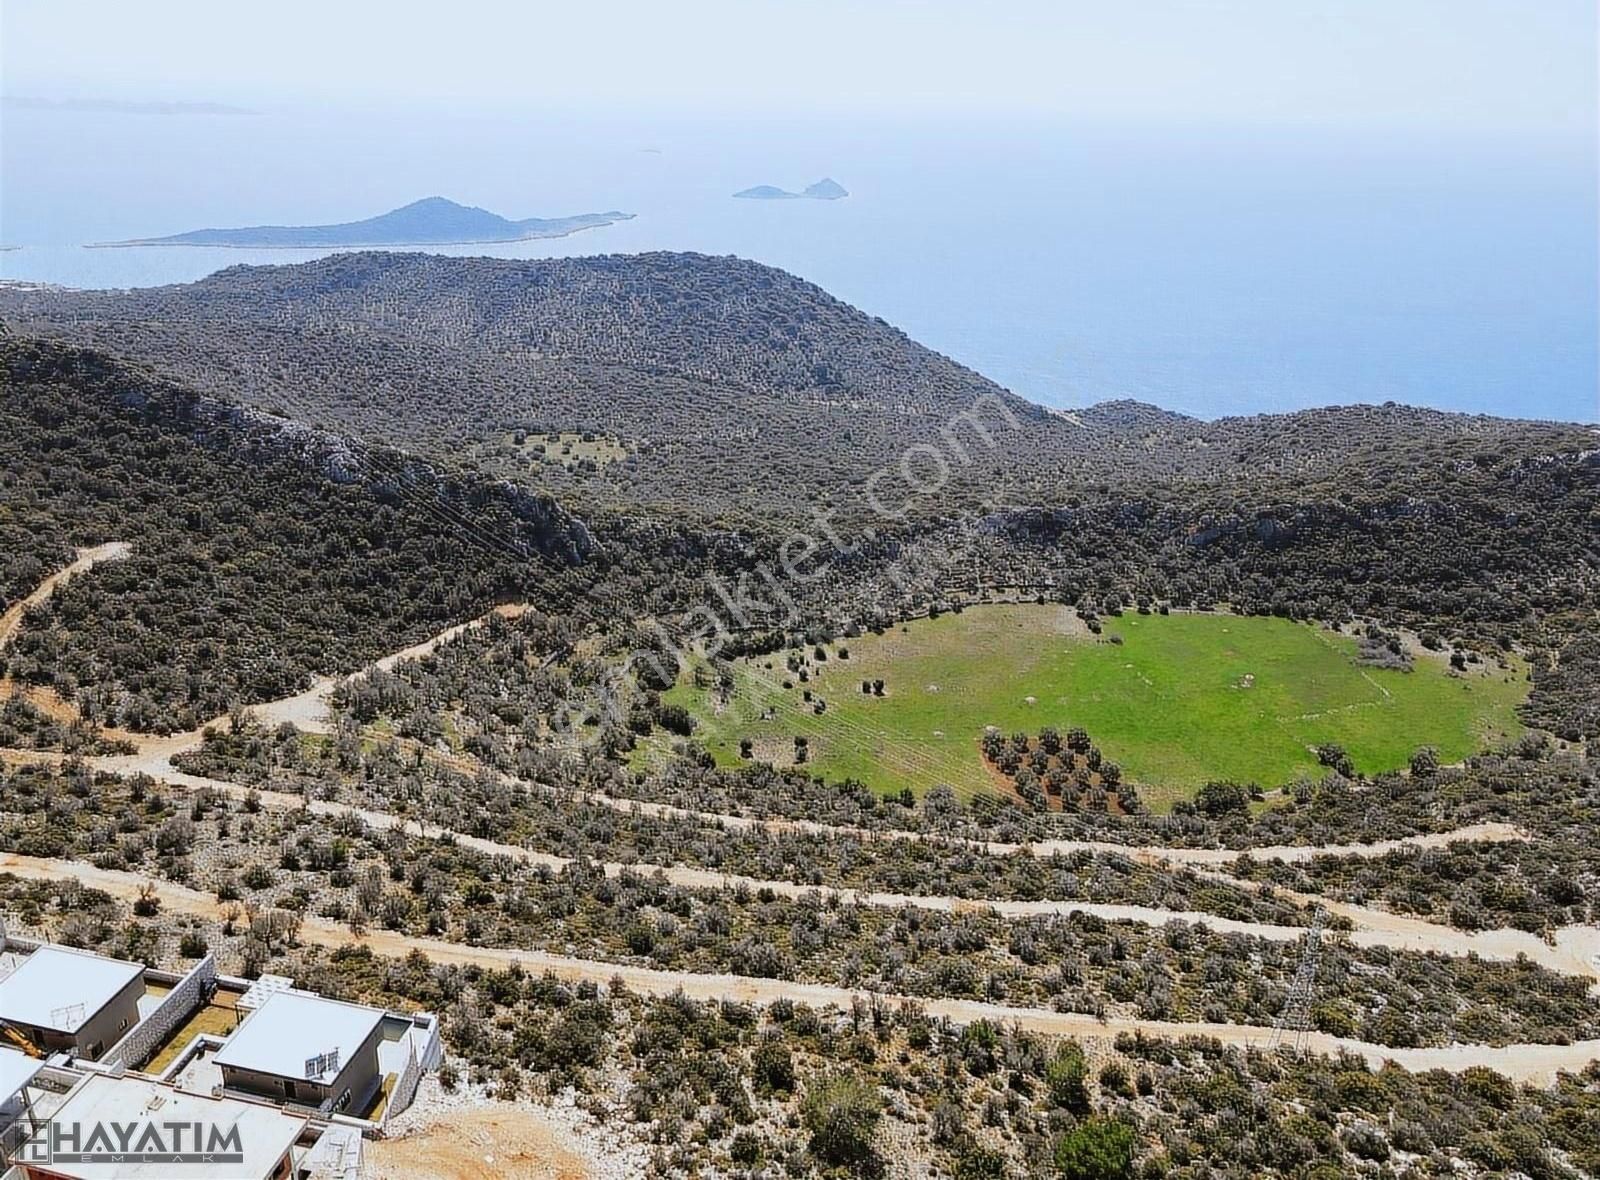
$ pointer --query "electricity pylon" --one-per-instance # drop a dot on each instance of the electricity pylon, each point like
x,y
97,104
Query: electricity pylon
x,y
1294,1022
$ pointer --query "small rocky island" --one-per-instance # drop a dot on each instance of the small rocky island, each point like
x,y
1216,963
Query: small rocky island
x,y
432,221
826,189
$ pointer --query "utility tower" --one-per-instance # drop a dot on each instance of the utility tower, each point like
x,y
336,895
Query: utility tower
x,y
1295,1021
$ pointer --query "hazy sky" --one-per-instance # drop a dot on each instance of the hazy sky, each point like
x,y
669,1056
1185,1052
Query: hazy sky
x,y
1501,66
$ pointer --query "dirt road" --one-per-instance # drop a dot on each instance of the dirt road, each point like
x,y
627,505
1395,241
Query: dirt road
x,y
1576,950
11,621
308,710
1536,1064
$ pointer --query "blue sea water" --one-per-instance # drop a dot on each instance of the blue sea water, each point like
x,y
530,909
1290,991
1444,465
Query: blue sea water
x,y
1209,270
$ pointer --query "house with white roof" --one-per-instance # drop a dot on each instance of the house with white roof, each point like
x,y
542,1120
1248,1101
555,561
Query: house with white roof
x,y
17,1074
302,1048
61,999
133,1128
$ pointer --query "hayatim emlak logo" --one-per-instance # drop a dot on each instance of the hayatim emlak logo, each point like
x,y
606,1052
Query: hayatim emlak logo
x,y
140,1141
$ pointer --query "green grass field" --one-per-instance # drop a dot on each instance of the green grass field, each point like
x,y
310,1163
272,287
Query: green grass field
x,y
1182,699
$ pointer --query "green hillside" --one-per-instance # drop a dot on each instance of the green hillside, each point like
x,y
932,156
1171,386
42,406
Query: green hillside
x,y
1179,700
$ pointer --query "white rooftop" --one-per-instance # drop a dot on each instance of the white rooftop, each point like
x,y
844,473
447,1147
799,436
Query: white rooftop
x,y
336,1155
62,989
283,1036
263,989
265,1132
17,1069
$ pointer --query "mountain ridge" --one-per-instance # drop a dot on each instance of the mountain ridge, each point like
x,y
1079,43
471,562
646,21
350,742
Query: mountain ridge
x,y
734,391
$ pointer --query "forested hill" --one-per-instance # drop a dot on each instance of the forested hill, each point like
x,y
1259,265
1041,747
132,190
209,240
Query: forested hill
x,y
262,551
716,319
719,388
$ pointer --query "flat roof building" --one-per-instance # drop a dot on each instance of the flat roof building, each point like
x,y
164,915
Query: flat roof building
x,y
17,1071
303,1048
120,1117
60,999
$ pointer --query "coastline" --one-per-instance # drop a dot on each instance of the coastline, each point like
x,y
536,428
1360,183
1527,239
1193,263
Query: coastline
x,y
535,237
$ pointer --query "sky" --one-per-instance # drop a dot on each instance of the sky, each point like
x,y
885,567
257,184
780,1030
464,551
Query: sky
x,y
1498,67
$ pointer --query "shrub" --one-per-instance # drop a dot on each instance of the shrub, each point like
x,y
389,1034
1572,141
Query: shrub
x,y
975,1162
1488,1086
675,719
1222,798
1425,761
193,945
1066,1078
746,1148
1099,1149
1114,1079
841,1112
257,876
773,1068
1333,756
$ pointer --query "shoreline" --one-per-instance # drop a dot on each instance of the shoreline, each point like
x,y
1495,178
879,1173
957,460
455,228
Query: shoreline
x,y
134,243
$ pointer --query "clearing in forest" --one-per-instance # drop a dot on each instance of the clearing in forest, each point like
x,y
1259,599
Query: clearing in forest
x,y
1176,700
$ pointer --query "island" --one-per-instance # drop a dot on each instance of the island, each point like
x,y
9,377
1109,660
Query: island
x,y
432,221
826,189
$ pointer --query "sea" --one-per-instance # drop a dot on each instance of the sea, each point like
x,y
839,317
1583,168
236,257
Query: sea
x,y
1212,270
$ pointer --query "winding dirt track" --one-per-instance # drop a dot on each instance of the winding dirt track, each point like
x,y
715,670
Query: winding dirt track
x,y
1491,832
1536,1064
11,621
1574,950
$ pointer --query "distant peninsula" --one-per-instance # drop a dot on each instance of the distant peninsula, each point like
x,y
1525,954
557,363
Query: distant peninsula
x,y
432,221
826,189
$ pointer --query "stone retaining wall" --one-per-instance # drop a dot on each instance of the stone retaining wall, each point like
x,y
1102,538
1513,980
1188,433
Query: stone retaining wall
x,y
176,1007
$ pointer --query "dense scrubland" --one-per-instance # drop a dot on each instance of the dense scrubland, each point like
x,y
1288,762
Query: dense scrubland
x,y
878,1088
261,552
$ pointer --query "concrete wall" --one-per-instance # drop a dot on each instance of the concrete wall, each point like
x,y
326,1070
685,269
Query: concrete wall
x,y
359,1073
109,1025
405,1087
433,1047
430,1054
176,1006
